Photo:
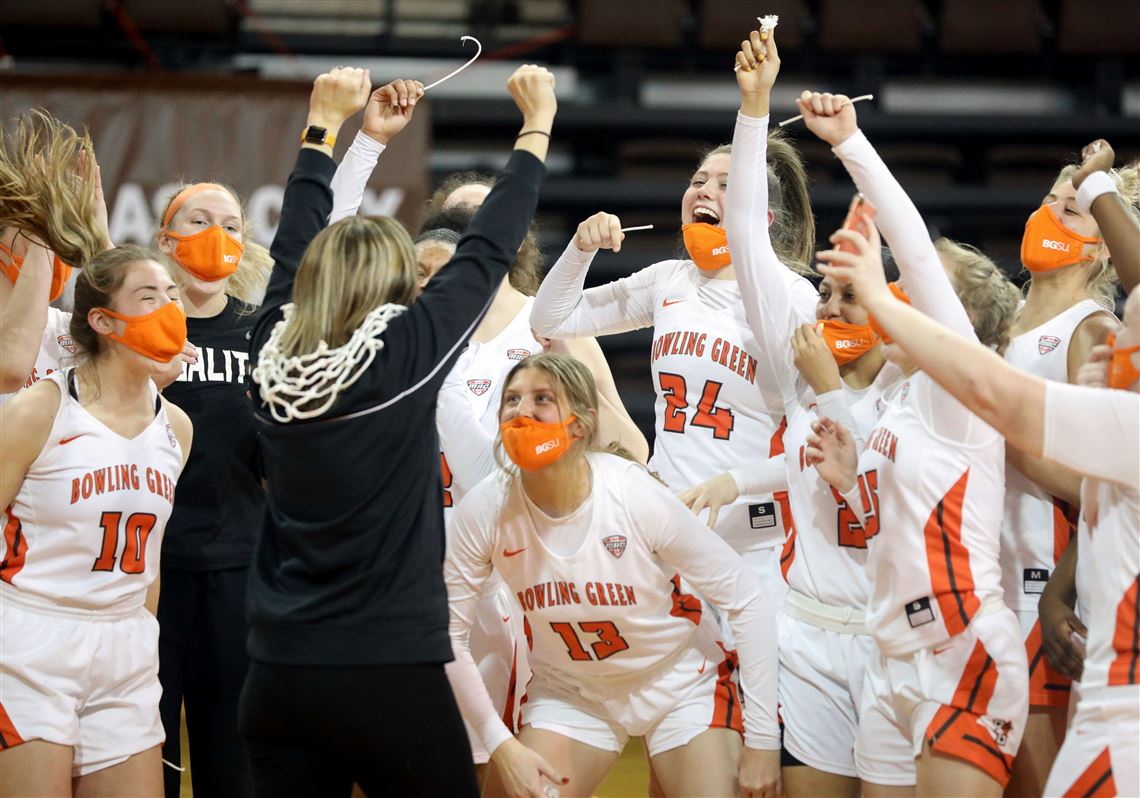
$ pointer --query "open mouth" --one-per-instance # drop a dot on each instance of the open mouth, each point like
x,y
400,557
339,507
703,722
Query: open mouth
x,y
706,215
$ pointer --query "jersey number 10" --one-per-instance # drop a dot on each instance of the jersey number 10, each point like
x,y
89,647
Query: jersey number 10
x,y
719,419
137,530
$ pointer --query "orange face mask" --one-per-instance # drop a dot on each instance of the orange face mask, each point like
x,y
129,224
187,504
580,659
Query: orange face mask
x,y
60,272
707,245
210,255
1047,244
1121,372
846,341
159,335
901,296
532,445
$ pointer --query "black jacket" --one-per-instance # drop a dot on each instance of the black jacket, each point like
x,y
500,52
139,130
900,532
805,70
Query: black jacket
x,y
348,568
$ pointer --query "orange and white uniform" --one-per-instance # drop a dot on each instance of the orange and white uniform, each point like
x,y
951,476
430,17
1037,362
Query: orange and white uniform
x,y
468,422
79,654
717,402
618,644
1038,526
57,348
1095,432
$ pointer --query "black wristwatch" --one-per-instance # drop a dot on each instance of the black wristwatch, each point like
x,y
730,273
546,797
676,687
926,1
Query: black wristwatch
x,y
315,134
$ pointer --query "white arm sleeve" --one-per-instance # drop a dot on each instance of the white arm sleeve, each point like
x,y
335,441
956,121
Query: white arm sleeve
x,y
833,405
1094,431
718,574
470,541
766,285
761,476
468,447
352,176
563,309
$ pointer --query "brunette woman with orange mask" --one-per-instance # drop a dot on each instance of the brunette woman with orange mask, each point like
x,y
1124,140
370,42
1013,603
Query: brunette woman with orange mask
x,y
92,456
220,499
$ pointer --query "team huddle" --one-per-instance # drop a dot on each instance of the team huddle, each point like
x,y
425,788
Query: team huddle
x,y
887,542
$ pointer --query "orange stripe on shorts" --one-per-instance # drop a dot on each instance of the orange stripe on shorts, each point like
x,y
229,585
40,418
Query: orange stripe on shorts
x,y
9,737
1096,781
957,733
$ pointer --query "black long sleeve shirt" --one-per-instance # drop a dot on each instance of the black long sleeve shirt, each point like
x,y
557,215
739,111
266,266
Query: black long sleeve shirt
x,y
348,567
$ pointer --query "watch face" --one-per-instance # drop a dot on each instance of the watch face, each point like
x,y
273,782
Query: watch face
x,y
315,135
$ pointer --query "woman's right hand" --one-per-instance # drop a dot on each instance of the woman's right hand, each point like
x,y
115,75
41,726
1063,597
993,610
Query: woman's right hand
x,y
829,116
532,88
1094,373
831,449
600,231
337,95
713,493
522,770
390,109
1097,156
1058,626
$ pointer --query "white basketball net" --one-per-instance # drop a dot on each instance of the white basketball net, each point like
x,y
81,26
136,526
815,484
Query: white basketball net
x,y
315,380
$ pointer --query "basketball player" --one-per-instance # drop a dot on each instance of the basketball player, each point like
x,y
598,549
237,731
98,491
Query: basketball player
x,y
1067,311
717,405
949,685
91,458
220,498
54,217
1093,431
600,556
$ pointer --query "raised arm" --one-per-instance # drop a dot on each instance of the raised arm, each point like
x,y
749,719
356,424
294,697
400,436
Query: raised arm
x,y
23,317
1097,193
388,111
765,284
469,448
718,573
563,308
336,96
833,119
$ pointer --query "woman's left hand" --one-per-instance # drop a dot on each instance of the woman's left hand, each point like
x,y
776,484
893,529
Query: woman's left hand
x,y
390,109
863,268
758,63
814,360
1097,156
760,774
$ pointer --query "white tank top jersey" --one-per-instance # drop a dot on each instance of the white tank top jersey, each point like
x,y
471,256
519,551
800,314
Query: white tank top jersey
x,y
466,457
56,349
937,506
1038,526
1105,449
86,526
717,406
612,608
825,556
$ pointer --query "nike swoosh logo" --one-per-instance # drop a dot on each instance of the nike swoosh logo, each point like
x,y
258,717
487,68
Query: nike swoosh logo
x,y
942,650
65,441
506,619
507,553
666,303
703,664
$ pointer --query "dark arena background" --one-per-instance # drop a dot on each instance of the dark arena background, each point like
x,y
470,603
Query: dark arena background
x,y
977,104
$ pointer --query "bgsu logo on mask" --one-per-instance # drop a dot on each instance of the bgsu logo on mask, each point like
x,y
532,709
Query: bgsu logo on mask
x,y
546,446
1059,246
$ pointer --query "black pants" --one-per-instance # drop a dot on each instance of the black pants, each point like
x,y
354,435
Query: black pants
x,y
203,661
393,729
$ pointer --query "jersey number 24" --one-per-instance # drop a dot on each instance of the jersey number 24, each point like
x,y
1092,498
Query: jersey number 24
x,y
719,419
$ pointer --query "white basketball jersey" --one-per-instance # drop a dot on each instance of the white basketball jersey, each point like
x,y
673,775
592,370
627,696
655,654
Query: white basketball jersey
x,y
611,608
86,526
1037,526
56,348
483,373
934,536
715,406
825,556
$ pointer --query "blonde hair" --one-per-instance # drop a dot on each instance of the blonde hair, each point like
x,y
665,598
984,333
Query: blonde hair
x,y
793,225
525,274
42,191
1102,282
988,296
249,281
350,269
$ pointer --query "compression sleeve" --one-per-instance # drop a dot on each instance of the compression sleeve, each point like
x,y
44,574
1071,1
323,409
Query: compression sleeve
x,y
1093,431
563,308
761,476
466,567
721,576
468,447
352,176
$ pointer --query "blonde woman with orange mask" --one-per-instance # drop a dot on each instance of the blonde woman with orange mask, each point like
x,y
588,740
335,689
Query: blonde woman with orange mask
x,y
92,457
1067,311
603,560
